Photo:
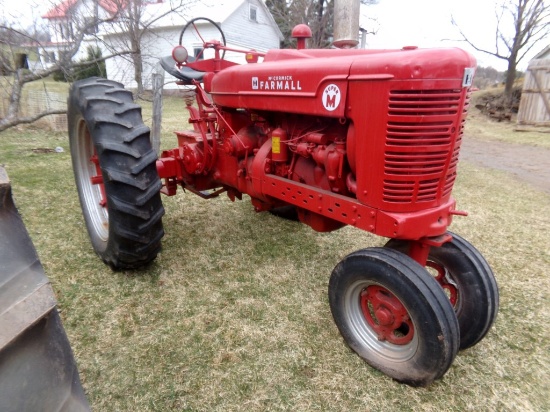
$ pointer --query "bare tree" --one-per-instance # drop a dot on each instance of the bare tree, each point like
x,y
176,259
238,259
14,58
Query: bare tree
x,y
317,14
528,21
131,23
16,76
125,18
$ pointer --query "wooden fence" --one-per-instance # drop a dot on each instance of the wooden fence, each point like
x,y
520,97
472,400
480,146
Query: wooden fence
x,y
534,108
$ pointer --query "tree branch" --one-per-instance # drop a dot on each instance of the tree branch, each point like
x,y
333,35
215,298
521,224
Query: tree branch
x,y
11,121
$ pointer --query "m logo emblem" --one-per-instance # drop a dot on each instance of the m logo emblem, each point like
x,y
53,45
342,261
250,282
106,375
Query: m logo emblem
x,y
331,97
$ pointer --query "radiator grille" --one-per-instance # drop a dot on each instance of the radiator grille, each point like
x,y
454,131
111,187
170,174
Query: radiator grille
x,y
418,163
451,171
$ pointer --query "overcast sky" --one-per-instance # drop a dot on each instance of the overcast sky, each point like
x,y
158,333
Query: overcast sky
x,y
427,23
422,23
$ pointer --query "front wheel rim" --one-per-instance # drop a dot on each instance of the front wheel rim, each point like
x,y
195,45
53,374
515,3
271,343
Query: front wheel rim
x,y
365,324
90,182
443,277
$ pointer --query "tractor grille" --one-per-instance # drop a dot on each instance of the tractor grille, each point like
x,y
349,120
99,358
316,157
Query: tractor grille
x,y
418,163
451,171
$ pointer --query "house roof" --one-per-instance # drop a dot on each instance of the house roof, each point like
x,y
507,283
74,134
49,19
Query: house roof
x,y
63,9
112,6
216,10
543,53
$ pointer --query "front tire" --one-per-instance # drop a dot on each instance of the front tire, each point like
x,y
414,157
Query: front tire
x,y
115,173
394,315
468,280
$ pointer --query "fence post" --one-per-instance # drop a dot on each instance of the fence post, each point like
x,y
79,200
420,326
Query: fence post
x,y
158,82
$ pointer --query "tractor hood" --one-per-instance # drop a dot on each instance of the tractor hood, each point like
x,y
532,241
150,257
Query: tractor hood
x,y
315,82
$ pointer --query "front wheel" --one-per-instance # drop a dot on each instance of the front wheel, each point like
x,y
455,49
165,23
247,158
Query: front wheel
x,y
467,279
394,315
115,173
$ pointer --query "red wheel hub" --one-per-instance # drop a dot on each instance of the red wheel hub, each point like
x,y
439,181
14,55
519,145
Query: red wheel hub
x,y
386,315
443,279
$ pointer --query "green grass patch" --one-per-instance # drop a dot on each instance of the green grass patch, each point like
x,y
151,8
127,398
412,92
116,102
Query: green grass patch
x,y
233,315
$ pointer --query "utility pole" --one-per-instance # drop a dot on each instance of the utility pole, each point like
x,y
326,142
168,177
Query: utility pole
x,y
346,23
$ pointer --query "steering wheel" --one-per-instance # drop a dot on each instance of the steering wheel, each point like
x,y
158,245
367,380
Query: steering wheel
x,y
191,23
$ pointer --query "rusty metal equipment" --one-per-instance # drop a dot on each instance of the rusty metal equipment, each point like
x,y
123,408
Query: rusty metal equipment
x,y
37,368
367,138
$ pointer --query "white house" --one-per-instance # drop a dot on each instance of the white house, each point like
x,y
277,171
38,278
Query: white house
x,y
247,24
66,21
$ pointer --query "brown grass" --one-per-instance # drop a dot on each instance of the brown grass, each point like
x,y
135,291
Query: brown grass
x,y
483,127
233,315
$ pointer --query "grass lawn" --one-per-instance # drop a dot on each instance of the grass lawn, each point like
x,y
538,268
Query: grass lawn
x,y
480,126
233,315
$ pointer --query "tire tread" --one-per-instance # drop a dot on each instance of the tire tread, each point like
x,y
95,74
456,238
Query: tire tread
x,y
128,165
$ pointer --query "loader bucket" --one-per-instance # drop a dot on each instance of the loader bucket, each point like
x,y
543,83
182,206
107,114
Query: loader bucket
x,y
37,368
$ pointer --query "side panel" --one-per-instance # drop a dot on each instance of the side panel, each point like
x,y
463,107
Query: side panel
x,y
308,86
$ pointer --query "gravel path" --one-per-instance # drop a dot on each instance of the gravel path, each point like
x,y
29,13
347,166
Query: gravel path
x,y
526,163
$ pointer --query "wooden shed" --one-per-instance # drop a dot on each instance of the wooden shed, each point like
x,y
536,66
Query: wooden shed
x,y
534,107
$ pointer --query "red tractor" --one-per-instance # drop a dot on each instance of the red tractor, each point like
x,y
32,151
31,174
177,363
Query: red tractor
x,y
368,138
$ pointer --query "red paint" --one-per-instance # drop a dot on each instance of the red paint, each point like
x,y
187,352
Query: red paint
x,y
368,138
98,179
386,315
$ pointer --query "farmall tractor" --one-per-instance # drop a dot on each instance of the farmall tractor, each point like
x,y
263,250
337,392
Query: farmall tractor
x,y
367,138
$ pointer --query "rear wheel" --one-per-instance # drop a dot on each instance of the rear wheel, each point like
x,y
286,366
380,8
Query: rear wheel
x,y
394,315
115,173
468,281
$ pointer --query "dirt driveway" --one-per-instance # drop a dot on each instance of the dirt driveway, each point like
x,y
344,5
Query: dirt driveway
x,y
526,163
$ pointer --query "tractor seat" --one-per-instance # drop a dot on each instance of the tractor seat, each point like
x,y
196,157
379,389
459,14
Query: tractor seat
x,y
185,74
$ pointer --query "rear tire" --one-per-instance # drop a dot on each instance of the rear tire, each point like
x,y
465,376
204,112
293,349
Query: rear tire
x,y
394,315
115,173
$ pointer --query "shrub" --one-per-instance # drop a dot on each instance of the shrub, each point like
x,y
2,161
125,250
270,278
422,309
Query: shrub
x,y
95,68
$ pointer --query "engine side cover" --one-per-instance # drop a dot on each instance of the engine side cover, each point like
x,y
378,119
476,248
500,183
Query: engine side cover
x,y
315,82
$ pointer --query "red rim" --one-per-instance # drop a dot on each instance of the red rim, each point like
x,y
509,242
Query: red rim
x,y
98,179
442,278
386,315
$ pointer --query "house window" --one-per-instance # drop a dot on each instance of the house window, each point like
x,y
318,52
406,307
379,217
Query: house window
x,y
253,13
49,57
198,52
21,61
90,25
